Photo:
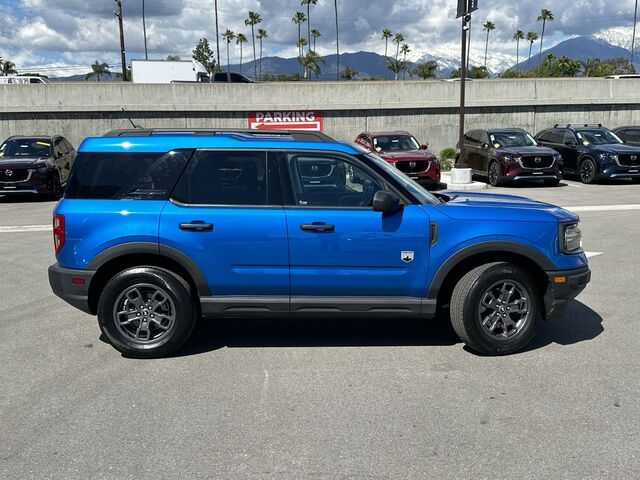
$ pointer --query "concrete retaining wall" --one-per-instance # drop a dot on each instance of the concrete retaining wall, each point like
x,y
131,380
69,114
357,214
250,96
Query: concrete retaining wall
x,y
427,109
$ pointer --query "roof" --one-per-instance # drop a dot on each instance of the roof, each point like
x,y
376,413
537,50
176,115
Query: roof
x,y
173,141
495,130
27,137
394,132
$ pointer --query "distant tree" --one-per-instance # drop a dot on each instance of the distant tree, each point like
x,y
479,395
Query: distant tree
x,y
349,73
308,3
488,27
241,39
405,48
7,67
548,60
315,34
299,18
519,35
229,36
531,38
544,17
173,58
262,34
311,62
395,66
98,69
594,67
479,72
386,35
567,67
253,20
398,38
203,54
426,70
512,73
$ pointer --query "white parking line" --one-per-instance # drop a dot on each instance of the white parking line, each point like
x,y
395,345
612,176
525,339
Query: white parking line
x,y
26,228
592,254
603,208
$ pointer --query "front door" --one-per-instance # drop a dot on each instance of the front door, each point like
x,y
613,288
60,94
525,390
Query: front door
x,y
344,256
226,215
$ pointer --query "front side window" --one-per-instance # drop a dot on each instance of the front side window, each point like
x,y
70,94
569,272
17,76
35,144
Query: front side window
x,y
324,180
26,147
116,176
232,178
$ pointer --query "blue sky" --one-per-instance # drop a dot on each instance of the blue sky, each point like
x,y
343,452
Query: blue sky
x,y
58,35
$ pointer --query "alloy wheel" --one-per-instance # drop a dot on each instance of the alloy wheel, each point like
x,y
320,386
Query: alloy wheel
x,y
586,171
504,309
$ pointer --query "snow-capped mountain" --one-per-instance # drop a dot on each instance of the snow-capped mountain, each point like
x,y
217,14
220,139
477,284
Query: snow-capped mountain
x,y
448,59
618,36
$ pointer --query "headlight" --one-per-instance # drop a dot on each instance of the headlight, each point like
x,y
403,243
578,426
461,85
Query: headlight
x,y
571,239
609,156
41,168
512,158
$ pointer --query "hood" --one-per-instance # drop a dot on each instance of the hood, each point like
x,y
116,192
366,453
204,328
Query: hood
x,y
407,155
617,148
497,207
18,163
520,151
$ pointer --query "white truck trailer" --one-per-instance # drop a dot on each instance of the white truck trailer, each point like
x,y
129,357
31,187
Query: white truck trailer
x,y
167,71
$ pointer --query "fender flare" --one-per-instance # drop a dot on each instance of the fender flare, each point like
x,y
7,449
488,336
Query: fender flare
x,y
485,247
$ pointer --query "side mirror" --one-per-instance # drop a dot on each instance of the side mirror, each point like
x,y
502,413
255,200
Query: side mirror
x,y
424,146
485,146
386,202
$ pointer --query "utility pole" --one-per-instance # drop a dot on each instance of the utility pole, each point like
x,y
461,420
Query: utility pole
x,y
633,40
463,77
122,49
215,5
144,28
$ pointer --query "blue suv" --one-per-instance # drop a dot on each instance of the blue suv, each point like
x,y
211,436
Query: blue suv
x,y
159,228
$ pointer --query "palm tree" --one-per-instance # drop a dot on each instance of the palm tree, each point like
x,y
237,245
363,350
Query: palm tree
x,y
97,68
545,16
633,40
405,48
335,3
396,66
386,35
519,35
253,20
299,18
229,36
240,39
301,44
398,38
308,3
8,68
144,30
549,61
531,37
262,34
315,34
349,73
311,62
488,27
427,70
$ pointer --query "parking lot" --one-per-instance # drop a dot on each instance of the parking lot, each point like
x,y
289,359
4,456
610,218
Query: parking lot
x,y
325,398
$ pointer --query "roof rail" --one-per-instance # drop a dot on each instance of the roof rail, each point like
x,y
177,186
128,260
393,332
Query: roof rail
x,y
573,125
296,135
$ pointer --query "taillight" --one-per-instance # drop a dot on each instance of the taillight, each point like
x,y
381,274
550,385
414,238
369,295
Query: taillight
x,y
58,232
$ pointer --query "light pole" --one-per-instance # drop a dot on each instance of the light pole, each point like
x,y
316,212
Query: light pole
x,y
144,29
633,40
122,49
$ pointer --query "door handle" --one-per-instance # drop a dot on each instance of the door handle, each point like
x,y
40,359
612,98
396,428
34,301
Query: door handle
x,y
317,227
197,226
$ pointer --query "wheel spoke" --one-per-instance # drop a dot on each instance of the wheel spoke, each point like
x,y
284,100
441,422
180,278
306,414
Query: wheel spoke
x,y
158,320
489,301
136,300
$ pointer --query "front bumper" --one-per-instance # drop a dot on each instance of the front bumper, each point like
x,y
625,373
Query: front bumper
x,y
35,183
617,171
517,173
564,285
62,283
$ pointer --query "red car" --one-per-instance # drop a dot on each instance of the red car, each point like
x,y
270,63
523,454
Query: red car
x,y
403,150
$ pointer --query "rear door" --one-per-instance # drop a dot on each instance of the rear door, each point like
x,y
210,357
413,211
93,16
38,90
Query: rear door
x,y
226,215
343,255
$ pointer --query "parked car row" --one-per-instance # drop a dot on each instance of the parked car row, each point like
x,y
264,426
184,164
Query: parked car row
x,y
591,152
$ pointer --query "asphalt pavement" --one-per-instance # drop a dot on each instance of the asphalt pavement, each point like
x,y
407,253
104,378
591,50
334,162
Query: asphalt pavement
x,y
325,399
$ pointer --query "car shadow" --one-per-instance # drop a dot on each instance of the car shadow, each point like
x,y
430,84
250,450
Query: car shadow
x,y
25,199
578,324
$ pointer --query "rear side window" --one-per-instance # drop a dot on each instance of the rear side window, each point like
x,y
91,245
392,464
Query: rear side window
x,y
116,176
233,178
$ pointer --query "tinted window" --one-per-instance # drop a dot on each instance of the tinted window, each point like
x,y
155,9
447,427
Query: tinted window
x,y
149,176
325,181
235,78
229,178
69,146
390,143
26,147
220,77
61,146
555,136
568,137
597,137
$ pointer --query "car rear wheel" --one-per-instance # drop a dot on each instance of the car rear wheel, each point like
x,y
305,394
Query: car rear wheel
x,y
146,312
494,174
495,308
588,171
56,187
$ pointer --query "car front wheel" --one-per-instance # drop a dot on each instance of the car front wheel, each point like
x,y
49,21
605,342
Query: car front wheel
x,y
146,312
494,174
588,171
495,308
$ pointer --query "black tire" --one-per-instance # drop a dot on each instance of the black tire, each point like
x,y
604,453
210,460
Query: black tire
x,y
588,171
467,309
168,324
552,182
57,191
494,174
635,180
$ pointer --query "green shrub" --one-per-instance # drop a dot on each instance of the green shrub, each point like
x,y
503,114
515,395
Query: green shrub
x,y
447,158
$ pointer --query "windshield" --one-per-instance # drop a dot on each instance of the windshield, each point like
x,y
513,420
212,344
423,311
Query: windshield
x,y
512,139
26,147
420,193
390,143
597,137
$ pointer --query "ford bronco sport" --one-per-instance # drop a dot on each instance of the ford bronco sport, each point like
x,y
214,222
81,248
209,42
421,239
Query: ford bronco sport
x,y
158,228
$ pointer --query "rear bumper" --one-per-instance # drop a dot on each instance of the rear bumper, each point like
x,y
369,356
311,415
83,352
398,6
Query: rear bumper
x,y
564,285
62,283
